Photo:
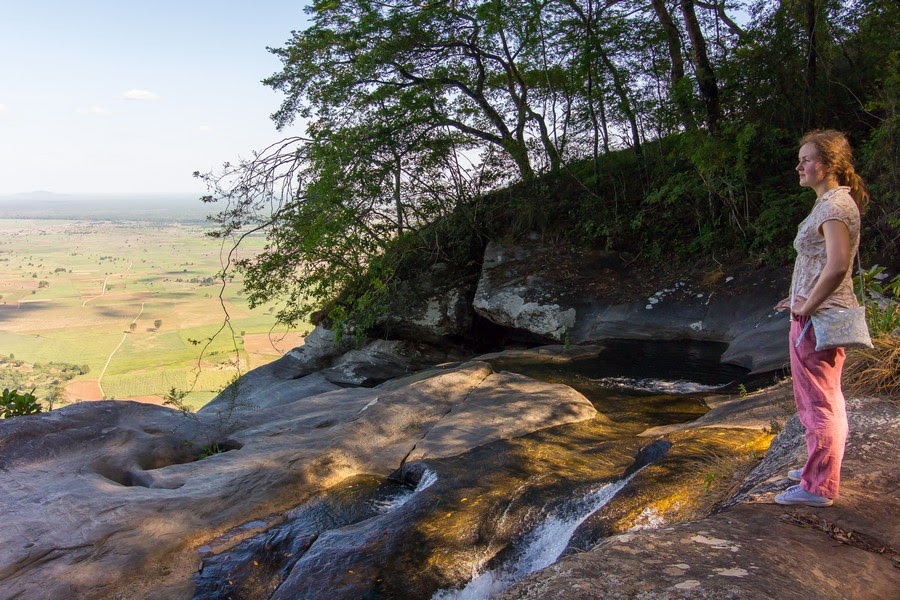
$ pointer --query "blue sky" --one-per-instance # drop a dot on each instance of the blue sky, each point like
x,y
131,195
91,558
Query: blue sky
x,y
133,97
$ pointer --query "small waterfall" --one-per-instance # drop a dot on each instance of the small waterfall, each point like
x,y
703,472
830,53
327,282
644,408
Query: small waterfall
x,y
540,547
386,505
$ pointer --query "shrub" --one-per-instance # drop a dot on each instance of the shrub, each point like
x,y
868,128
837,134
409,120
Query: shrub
x,y
16,404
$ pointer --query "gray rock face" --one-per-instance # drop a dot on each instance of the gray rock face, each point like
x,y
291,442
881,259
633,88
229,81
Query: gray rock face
x,y
373,363
432,308
112,499
547,293
510,298
324,366
318,348
274,383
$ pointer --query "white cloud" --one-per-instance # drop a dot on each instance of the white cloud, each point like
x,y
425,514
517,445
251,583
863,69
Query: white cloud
x,y
140,95
4,110
204,129
94,110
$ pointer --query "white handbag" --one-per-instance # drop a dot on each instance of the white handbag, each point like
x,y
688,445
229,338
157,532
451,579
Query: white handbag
x,y
839,327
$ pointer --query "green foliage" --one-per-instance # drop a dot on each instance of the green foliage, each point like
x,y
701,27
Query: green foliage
x,y
880,156
17,404
46,380
210,450
433,127
882,301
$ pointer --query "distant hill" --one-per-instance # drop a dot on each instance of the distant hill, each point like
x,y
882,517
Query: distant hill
x,y
181,208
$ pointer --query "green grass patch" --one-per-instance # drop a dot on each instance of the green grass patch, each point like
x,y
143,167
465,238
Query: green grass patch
x,y
167,268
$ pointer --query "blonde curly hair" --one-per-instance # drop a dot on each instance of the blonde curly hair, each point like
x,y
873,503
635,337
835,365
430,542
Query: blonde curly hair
x,y
837,156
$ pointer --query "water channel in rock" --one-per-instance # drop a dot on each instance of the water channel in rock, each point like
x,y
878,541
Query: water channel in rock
x,y
469,526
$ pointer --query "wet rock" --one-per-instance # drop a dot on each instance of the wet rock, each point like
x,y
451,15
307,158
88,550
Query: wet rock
x,y
755,548
466,520
651,453
769,408
746,553
699,471
142,486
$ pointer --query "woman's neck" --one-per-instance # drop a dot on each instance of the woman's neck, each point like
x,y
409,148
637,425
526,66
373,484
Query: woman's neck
x,y
826,186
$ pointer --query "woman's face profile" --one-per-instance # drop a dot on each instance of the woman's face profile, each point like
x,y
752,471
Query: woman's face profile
x,y
809,166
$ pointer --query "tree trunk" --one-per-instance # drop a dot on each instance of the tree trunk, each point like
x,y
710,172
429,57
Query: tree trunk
x,y
624,102
706,77
397,198
812,47
676,63
604,126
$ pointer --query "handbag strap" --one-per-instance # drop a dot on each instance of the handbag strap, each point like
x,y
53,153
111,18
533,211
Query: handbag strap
x,y
862,283
802,333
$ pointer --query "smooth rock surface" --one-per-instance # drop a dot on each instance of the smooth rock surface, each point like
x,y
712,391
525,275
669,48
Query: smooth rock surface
x,y
112,499
514,403
375,362
325,366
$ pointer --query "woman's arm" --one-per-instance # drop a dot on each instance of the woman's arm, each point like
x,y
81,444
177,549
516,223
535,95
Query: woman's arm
x,y
837,252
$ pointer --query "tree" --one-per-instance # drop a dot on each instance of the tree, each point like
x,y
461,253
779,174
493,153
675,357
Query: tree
x,y
461,65
414,110
706,76
676,62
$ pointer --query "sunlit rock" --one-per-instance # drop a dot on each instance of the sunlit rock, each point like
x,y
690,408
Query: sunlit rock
x,y
755,548
114,498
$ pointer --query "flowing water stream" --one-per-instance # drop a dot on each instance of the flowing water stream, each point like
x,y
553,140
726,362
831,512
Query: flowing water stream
x,y
540,547
468,527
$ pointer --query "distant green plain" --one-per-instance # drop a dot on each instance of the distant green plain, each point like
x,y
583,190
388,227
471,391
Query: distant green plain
x,y
71,289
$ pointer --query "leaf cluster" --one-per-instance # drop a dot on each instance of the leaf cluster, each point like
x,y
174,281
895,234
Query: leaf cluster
x,y
18,404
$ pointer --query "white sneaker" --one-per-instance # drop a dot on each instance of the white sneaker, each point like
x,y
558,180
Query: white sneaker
x,y
794,474
797,495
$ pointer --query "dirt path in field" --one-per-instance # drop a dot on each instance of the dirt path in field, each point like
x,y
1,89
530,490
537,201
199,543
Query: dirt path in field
x,y
122,341
105,281
86,389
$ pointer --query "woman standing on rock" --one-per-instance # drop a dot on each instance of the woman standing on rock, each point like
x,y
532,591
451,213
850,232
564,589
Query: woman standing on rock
x,y
826,242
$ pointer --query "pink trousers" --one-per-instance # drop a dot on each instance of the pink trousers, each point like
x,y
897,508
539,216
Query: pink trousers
x,y
820,404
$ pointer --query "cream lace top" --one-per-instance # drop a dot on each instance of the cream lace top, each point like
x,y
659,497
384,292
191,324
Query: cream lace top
x,y
835,204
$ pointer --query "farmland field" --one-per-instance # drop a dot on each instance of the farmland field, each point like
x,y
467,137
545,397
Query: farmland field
x,y
126,301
